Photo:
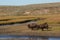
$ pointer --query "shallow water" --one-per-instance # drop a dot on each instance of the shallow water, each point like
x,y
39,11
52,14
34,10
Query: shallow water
x,y
54,38
14,37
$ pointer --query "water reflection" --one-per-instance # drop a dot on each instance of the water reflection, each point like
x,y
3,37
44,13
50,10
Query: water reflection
x,y
54,38
10,37
38,39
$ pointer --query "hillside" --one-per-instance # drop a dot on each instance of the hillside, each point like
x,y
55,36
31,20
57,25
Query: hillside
x,y
33,9
14,20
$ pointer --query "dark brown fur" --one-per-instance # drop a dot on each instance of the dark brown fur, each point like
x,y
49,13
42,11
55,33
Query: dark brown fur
x,y
32,26
41,26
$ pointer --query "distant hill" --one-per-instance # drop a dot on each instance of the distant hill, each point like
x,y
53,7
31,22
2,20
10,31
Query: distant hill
x,y
33,9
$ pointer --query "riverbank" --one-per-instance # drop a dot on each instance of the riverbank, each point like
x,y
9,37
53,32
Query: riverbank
x,y
48,34
23,30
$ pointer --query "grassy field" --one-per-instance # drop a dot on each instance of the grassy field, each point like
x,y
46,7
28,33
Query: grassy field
x,y
10,19
52,20
24,30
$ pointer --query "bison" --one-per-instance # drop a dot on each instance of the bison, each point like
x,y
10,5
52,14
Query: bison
x,y
40,26
32,26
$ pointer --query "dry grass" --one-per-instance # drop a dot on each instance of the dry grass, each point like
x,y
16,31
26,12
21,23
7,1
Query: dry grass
x,y
24,30
49,18
15,19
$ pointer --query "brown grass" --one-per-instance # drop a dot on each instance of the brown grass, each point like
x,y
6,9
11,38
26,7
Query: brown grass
x,y
24,30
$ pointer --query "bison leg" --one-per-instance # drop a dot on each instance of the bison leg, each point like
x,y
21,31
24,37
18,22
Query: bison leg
x,y
42,29
32,28
47,28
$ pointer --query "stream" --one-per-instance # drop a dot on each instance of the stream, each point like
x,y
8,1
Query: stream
x,y
14,37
